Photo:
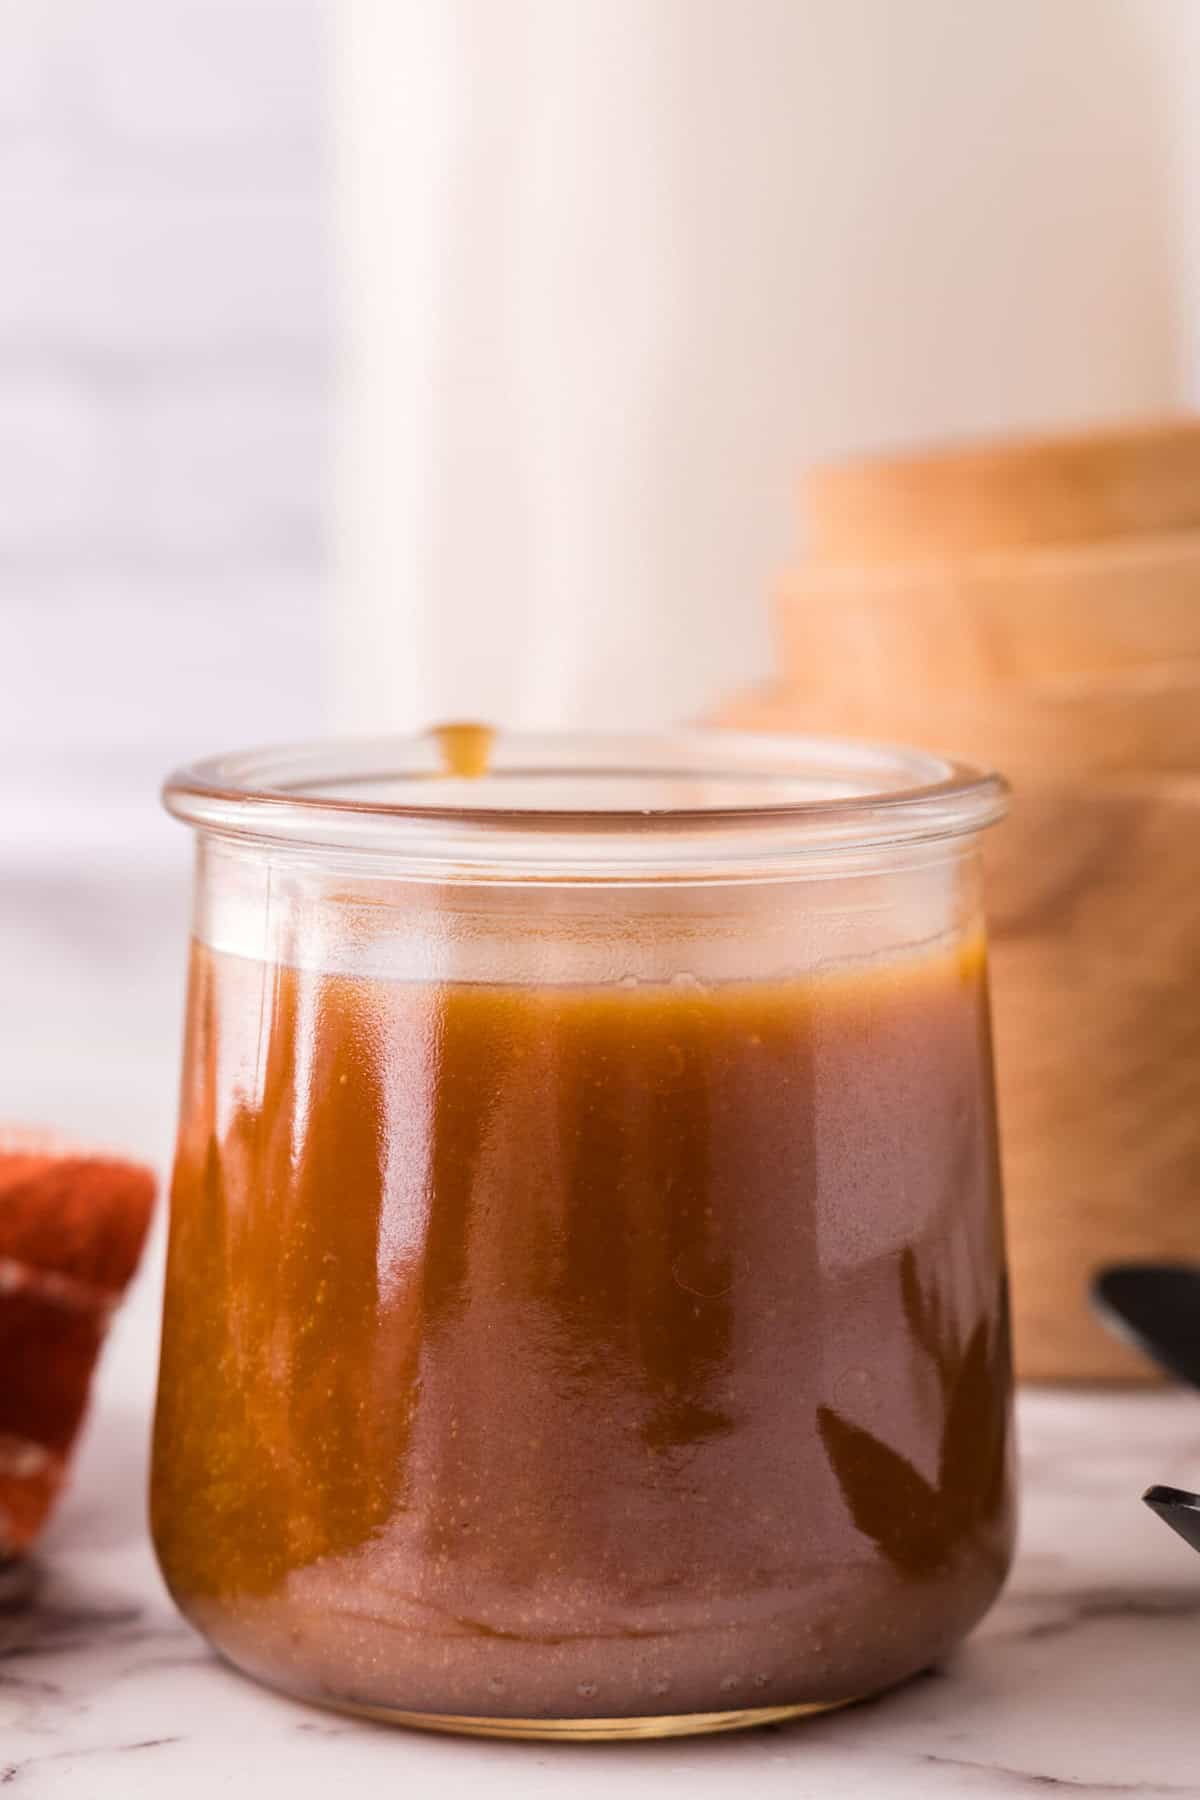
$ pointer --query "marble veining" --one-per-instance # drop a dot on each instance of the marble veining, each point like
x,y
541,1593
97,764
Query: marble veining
x,y
1082,1681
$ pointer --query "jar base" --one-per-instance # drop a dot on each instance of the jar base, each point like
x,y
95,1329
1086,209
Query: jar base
x,y
578,1731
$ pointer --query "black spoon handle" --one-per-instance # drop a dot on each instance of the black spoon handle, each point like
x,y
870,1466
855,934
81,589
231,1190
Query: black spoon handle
x,y
1178,1509
1155,1307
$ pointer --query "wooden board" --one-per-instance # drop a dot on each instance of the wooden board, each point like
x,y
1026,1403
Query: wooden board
x,y
1095,936
1072,613
1062,730
966,499
1095,930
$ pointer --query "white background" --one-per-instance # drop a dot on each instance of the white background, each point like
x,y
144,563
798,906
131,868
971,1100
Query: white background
x,y
614,269
164,357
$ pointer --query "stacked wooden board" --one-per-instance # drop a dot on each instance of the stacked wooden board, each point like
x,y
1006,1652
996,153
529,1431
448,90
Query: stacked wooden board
x,y
1035,606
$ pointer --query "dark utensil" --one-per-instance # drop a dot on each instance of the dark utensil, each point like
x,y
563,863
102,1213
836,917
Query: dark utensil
x,y
1155,1307
1178,1509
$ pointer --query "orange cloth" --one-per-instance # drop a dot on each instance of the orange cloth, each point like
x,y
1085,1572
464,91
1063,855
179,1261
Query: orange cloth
x,y
72,1225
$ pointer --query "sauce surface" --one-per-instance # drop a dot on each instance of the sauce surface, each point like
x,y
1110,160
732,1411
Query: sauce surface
x,y
585,1351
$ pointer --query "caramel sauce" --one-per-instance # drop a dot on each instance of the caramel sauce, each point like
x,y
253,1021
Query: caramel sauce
x,y
465,747
585,1351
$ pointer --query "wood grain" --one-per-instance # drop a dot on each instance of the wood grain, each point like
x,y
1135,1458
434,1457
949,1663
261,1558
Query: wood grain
x,y
1135,725
1095,937
1071,612
966,499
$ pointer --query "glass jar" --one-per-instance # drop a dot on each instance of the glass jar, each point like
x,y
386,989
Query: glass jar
x,y
585,1306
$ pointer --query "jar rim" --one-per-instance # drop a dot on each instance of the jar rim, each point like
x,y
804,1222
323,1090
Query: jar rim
x,y
589,805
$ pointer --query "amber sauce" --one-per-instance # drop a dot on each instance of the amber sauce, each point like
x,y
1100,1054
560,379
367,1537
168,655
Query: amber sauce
x,y
465,748
585,1351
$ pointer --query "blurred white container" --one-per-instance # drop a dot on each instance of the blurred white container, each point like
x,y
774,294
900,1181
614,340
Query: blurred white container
x,y
612,270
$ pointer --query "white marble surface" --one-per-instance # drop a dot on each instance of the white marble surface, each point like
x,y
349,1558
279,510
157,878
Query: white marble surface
x,y
1084,1677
